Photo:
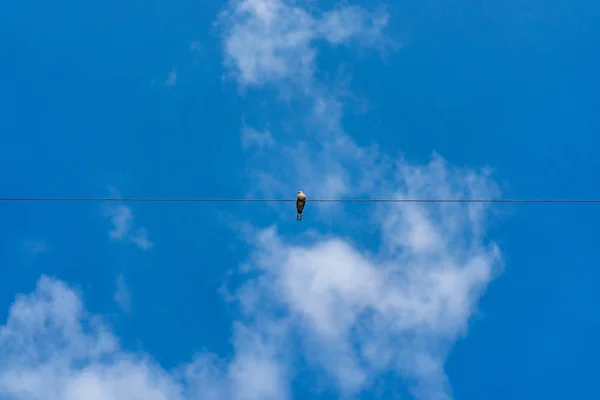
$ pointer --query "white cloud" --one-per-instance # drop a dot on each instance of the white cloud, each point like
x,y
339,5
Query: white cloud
x,y
123,230
121,218
122,294
276,42
36,246
404,306
352,313
140,238
51,348
399,306
273,40
357,315
353,23
171,78
251,138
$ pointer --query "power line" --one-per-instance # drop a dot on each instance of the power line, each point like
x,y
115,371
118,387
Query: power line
x,y
243,200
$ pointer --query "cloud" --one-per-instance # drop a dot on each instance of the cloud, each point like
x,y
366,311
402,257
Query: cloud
x,y
51,348
140,238
352,315
171,78
122,295
353,23
36,247
397,310
122,230
390,298
273,40
398,305
253,139
277,42
121,218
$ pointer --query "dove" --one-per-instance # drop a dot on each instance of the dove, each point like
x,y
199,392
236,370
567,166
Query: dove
x,y
300,203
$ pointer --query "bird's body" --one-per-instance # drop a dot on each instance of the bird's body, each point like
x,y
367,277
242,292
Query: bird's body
x,y
300,203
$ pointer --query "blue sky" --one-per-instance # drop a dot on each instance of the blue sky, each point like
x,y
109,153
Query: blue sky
x,y
262,98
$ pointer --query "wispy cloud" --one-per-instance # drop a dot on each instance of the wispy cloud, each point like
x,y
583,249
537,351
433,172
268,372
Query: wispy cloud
x,y
52,348
253,139
362,312
397,310
273,40
36,246
171,78
140,238
358,314
121,218
123,229
122,294
277,42
395,307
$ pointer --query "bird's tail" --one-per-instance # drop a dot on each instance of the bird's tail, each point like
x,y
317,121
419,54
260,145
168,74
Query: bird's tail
x,y
299,217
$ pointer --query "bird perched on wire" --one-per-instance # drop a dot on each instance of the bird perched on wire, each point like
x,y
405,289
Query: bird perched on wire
x,y
300,203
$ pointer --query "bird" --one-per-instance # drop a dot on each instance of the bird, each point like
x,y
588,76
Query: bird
x,y
300,203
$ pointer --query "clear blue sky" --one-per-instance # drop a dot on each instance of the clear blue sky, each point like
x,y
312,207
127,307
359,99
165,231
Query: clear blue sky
x,y
262,98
